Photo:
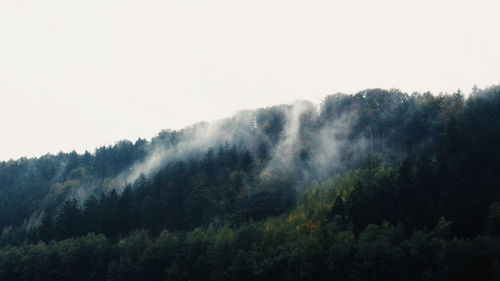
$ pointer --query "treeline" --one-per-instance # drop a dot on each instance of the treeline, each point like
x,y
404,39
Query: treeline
x,y
412,192
376,125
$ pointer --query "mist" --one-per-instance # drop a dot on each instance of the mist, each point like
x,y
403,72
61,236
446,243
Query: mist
x,y
295,144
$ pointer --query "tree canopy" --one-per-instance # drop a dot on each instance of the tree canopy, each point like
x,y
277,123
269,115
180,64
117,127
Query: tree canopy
x,y
380,185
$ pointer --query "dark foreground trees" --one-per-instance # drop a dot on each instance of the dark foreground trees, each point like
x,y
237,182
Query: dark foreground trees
x,y
289,247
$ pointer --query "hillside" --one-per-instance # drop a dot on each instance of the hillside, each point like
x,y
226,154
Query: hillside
x,y
379,185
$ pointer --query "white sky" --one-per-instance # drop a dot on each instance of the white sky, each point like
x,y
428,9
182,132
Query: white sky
x,y
80,74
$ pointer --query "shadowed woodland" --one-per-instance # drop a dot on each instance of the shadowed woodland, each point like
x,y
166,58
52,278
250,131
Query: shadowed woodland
x,y
379,185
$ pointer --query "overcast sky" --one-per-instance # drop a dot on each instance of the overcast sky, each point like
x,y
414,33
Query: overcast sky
x,y
80,74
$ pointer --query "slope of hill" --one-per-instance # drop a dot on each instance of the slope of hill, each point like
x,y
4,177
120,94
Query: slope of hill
x,y
380,185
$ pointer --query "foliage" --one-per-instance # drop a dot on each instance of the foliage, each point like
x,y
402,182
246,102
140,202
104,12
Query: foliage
x,y
417,198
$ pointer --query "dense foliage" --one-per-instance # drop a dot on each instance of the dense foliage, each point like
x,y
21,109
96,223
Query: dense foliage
x,y
411,192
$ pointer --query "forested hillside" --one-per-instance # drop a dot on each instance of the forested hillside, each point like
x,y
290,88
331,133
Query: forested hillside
x,y
379,185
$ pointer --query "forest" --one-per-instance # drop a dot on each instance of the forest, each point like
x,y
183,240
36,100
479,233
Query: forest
x,y
377,185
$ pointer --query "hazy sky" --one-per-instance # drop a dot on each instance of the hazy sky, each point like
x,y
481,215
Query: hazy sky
x,y
80,74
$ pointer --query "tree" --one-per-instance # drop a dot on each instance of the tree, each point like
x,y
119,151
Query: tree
x,y
68,222
46,229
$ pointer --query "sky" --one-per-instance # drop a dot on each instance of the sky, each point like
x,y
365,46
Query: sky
x,y
75,75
